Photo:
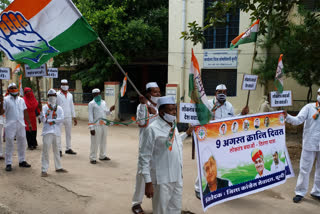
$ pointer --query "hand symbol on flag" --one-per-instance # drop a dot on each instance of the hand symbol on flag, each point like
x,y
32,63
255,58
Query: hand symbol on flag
x,y
17,38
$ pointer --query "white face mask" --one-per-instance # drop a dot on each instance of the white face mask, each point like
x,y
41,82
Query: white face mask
x,y
169,118
52,100
154,99
14,93
65,87
318,98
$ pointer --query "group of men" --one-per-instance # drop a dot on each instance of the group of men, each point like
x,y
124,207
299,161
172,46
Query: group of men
x,y
58,111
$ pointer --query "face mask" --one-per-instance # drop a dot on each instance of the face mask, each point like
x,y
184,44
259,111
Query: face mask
x,y
97,99
221,97
65,87
52,100
154,99
169,118
318,98
14,92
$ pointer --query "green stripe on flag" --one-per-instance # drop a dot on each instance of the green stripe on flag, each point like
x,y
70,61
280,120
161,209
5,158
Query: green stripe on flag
x,y
251,38
278,85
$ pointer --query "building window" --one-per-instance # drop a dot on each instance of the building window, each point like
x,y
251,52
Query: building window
x,y
221,37
213,77
312,5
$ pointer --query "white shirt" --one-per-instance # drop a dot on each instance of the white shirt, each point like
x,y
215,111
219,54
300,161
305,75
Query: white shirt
x,y
66,104
226,110
265,107
97,112
265,172
166,166
142,111
2,119
14,110
277,168
55,128
311,130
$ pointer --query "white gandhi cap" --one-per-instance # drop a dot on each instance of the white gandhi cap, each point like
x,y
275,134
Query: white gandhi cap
x,y
64,81
221,87
96,90
319,90
152,85
52,91
12,84
166,100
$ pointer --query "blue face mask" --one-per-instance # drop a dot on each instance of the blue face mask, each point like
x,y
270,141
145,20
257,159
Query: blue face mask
x,y
97,99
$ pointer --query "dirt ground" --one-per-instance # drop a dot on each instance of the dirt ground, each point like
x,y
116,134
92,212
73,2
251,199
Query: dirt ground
x,y
107,187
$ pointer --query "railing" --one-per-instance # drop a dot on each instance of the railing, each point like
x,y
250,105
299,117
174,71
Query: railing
x,y
77,97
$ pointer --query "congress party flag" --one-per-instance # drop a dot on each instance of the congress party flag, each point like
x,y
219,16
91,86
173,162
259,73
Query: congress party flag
x,y
124,86
279,75
197,93
20,85
34,31
17,69
248,36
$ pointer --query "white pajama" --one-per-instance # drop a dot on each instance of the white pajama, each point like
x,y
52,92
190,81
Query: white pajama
x,y
306,163
15,130
67,122
98,141
48,140
1,149
167,198
139,189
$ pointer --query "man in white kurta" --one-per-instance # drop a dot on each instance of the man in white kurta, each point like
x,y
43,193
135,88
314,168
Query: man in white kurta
x,y
98,110
161,160
51,117
277,165
309,115
1,128
15,111
146,109
220,109
65,101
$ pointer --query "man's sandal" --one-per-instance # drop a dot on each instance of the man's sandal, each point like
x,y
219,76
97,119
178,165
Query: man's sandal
x,y
137,209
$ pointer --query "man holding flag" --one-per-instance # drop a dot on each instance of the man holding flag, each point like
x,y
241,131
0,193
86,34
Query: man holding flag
x,y
98,109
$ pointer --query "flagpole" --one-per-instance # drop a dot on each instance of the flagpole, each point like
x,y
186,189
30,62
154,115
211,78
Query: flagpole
x,y
253,58
38,88
119,66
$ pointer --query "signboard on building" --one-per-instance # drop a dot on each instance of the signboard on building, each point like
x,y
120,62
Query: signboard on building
x,y
220,59
37,72
52,73
280,99
5,73
171,92
109,91
249,82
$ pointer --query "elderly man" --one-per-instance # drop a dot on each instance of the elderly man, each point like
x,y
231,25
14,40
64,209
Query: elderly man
x,y
161,159
65,101
15,111
147,112
210,172
220,109
309,115
277,165
257,158
51,117
98,109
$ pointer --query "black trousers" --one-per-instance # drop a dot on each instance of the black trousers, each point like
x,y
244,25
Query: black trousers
x,y
32,139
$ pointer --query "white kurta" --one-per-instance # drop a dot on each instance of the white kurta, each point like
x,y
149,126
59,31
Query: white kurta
x,y
276,168
265,107
142,112
66,103
162,167
1,128
50,133
310,149
97,112
15,127
265,172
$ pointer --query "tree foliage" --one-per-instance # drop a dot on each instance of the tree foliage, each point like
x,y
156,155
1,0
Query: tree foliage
x,y
131,29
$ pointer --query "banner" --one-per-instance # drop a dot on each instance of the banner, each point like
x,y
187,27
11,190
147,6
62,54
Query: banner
x,y
241,156
37,72
52,73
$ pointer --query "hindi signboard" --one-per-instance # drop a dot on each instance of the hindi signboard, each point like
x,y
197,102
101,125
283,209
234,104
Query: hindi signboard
x,y
52,73
241,156
188,113
220,59
37,72
280,99
5,73
249,82
109,91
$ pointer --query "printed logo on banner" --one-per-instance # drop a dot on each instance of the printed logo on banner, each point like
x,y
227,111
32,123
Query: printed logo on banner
x,y
202,133
281,118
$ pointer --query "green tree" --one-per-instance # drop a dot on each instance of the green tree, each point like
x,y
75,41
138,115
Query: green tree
x,y
131,29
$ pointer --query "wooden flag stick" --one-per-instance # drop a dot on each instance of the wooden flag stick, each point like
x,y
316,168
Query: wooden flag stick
x,y
253,58
38,88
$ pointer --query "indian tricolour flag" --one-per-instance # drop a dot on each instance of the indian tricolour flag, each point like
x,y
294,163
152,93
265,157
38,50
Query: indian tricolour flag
x,y
197,93
248,36
279,75
34,31
124,86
